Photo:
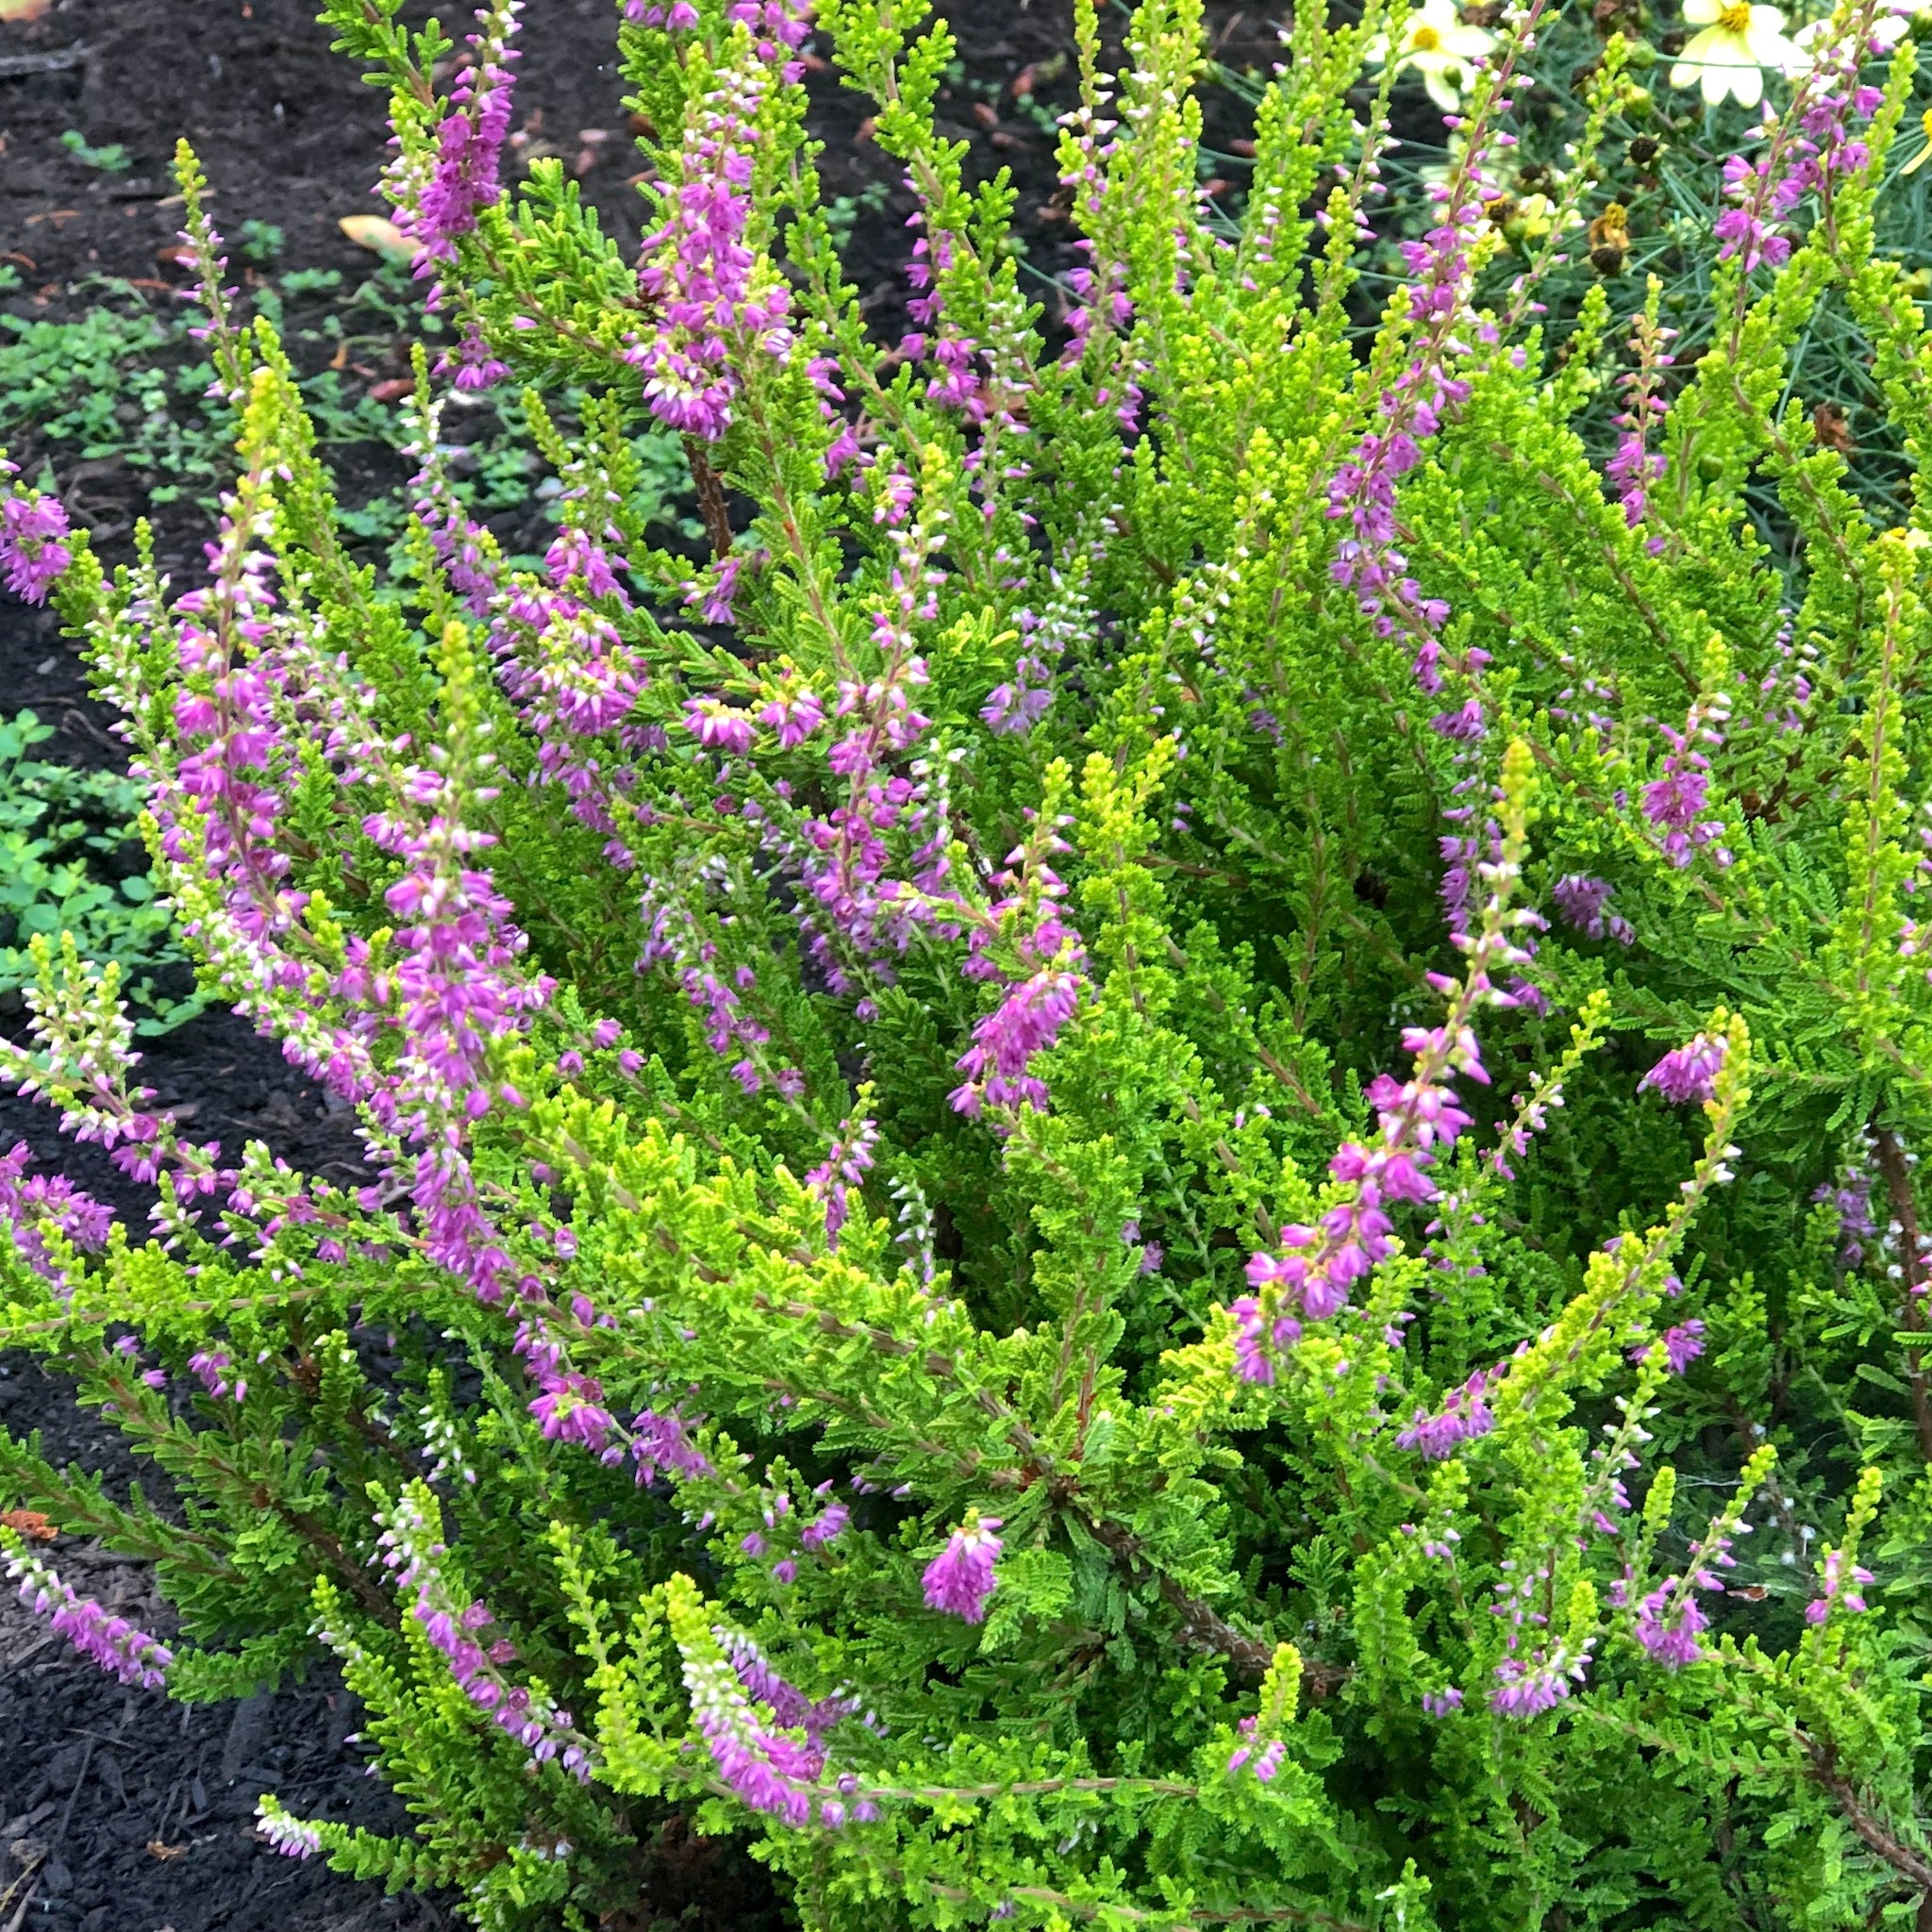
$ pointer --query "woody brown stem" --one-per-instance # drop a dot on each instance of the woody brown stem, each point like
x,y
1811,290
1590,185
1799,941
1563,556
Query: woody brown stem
x,y
711,489
1202,1625
1909,1863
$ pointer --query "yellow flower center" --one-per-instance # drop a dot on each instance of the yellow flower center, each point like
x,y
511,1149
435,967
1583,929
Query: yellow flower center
x,y
1736,18
1426,40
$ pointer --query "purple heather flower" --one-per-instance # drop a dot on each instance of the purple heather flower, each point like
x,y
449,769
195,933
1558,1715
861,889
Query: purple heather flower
x,y
1440,1702
576,558
1635,467
826,1527
961,1578
795,715
844,1167
662,1443
438,200
216,1368
1851,1199
1668,1621
715,725
570,1409
574,679
714,595
1015,709
699,271
1676,799
675,940
1582,904
28,1203
31,551
1464,1417
136,1658
1769,188
1312,1275
1682,1345
1026,1021
461,546
1530,1693
1528,1689
1834,1578
542,1728
1412,407
1265,1762
779,27
770,1770
471,362
1689,1071
1676,804
790,1707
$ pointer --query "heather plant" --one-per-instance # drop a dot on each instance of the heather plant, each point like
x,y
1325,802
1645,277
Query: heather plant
x,y
1155,1162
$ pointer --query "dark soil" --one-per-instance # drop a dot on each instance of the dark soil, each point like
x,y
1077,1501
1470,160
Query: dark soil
x,y
120,1810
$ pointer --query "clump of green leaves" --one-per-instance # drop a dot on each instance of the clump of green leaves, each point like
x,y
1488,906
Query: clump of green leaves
x,y
109,158
71,862
261,243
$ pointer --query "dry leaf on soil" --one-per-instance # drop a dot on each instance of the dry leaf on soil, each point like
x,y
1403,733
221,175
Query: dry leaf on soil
x,y
371,232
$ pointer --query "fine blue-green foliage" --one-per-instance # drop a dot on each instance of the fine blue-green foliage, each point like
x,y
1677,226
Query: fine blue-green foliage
x,y
1152,1155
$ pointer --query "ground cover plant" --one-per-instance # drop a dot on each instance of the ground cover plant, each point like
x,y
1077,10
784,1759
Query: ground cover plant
x,y
1159,1164
70,861
125,383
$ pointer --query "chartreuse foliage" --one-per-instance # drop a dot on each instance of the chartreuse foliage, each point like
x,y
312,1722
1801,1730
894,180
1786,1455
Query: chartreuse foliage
x,y
1158,1167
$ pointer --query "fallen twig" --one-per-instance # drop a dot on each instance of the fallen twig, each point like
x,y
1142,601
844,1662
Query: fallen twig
x,y
49,62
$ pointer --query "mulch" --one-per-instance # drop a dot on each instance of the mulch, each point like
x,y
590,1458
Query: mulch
x,y
121,1811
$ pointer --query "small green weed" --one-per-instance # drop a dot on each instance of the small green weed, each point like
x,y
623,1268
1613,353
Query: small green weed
x,y
71,860
842,214
261,243
111,159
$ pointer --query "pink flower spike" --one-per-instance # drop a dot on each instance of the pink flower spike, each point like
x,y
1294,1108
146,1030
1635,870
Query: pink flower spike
x,y
961,1578
1688,1072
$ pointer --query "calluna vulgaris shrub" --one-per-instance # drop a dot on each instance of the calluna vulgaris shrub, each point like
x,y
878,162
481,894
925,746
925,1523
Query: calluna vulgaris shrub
x,y
1161,1167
